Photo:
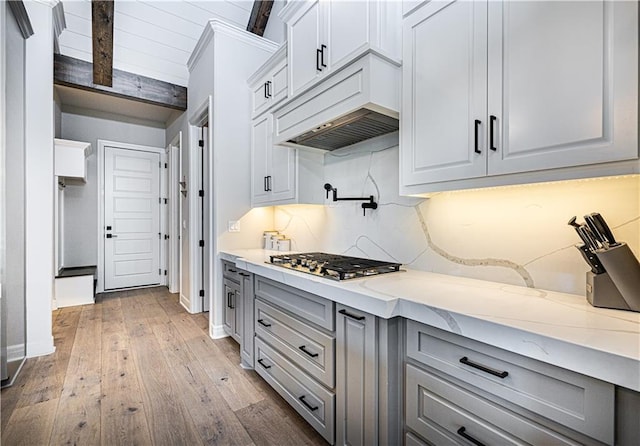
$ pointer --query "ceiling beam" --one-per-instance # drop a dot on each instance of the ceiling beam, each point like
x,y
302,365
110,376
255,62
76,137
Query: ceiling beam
x,y
78,73
259,16
102,32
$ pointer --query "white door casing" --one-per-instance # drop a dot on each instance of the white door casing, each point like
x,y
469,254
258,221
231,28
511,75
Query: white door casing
x,y
129,203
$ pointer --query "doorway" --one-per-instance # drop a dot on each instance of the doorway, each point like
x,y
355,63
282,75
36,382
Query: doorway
x,y
132,214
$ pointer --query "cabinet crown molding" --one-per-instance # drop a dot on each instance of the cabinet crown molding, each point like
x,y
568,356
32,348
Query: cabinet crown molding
x,y
218,26
291,8
270,64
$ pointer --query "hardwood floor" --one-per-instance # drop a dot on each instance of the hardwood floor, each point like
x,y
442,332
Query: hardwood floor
x,y
137,369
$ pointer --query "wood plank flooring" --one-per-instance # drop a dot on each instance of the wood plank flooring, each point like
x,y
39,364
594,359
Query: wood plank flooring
x,y
137,369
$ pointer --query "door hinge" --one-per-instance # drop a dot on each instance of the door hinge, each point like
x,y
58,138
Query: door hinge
x,y
201,293
201,143
201,193
201,243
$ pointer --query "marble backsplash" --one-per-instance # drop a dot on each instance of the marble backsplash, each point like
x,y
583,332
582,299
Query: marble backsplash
x,y
515,235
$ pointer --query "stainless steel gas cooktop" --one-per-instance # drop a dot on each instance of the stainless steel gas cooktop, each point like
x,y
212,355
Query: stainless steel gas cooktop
x,y
333,266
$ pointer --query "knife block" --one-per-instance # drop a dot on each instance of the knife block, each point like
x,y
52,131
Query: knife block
x,y
624,270
602,292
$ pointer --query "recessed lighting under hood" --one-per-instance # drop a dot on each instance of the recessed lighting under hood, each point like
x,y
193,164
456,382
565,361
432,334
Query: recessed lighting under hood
x,y
349,129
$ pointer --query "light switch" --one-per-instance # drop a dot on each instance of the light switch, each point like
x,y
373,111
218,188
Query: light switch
x,y
234,226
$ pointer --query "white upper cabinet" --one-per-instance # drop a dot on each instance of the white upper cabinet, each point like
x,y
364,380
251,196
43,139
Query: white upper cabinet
x,y
325,35
276,170
269,83
494,88
71,159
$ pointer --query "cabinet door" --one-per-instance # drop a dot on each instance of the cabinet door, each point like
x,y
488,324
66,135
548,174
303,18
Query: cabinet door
x,y
238,315
260,98
444,93
304,40
565,96
248,331
283,173
279,84
260,149
347,30
229,313
356,380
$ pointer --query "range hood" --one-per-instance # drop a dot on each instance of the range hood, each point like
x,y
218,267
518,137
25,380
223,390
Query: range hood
x,y
352,128
357,103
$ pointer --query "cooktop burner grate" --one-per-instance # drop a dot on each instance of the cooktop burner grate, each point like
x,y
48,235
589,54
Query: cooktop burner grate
x,y
333,266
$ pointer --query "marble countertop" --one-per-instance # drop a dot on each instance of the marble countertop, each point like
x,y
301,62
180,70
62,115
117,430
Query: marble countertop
x,y
556,328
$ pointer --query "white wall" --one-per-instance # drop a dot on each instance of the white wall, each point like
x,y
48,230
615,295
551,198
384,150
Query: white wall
x,y
40,185
13,185
81,206
516,235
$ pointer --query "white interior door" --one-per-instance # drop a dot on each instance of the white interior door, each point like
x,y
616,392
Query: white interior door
x,y
131,218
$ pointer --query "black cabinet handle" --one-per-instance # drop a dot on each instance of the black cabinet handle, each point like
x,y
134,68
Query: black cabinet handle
x,y
492,121
263,323
264,186
232,270
244,274
476,132
309,406
266,95
503,374
268,183
322,48
304,349
352,316
462,432
268,89
230,300
263,364
318,55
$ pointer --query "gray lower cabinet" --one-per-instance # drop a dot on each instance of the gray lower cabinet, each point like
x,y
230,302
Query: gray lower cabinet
x,y
458,389
294,350
238,309
367,379
232,308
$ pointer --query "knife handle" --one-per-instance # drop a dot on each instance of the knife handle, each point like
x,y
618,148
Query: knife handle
x,y
603,228
591,259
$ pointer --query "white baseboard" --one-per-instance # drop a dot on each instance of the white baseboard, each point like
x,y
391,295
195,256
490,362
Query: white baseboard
x,y
35,349
15,352
217,332
185,302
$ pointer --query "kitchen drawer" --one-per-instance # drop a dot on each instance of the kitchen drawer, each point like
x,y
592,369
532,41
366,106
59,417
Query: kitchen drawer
x,y
230,271
445,414
307,397
576,401
305,305
308,348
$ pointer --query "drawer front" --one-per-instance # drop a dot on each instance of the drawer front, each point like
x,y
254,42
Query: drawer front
x,y
413,440
230,271
438,409
576,401
305,305
308,348
308,398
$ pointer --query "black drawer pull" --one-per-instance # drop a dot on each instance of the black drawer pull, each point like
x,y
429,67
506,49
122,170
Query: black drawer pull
x,y
309,406
352,316
244,274
484,368
232,270
462,432
304,349
263,364
318,54
263,323
476,137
